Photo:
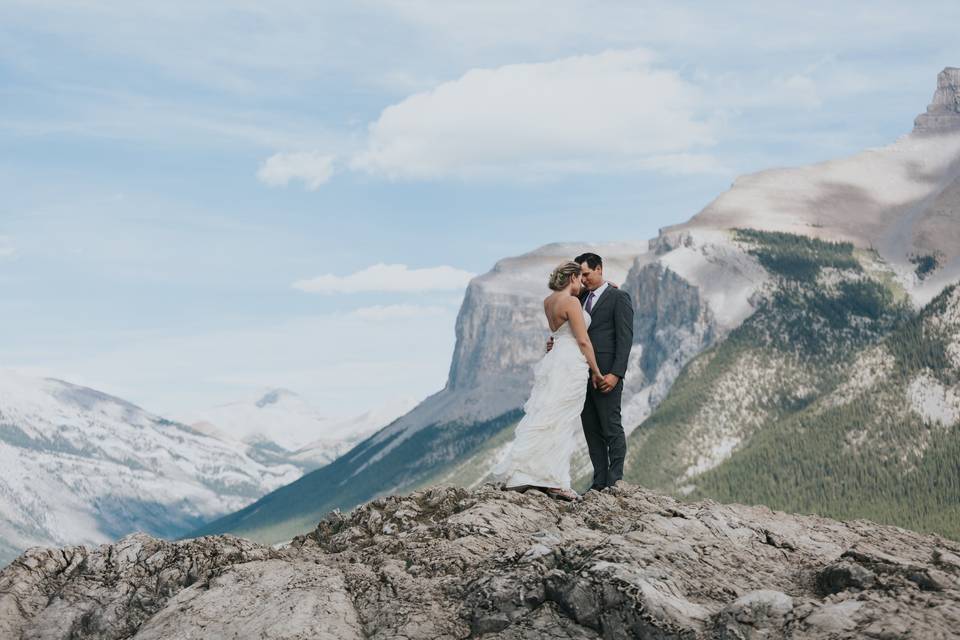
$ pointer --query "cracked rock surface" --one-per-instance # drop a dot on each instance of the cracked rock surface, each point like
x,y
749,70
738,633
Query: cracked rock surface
x,y
451,563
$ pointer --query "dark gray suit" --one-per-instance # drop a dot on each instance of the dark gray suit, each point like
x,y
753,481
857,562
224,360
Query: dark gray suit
x,y
611,332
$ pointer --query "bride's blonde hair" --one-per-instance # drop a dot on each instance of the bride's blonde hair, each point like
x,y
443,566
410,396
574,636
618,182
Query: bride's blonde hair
x,y
560,277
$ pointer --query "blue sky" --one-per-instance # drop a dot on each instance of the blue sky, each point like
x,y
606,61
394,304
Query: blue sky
x,y
176,174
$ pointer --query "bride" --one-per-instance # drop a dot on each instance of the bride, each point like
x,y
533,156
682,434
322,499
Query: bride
x,y
546,437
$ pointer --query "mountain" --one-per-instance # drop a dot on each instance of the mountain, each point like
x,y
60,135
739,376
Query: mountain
x,y
452,563
838,395
749,318
279,416
339,436
80,466
281,427
833,398
900,200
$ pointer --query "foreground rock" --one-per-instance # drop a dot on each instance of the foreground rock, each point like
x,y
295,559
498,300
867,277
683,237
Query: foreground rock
x,y
448,563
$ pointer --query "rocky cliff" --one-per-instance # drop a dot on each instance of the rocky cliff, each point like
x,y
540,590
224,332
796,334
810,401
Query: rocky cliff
x,y
451,563
944,110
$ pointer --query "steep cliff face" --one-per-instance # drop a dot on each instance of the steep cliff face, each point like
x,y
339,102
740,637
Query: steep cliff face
x,y
450,563
944,110
689,291
501,329
501,333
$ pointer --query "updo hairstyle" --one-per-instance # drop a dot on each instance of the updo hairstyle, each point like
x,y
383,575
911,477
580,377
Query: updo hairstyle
x,y
560,277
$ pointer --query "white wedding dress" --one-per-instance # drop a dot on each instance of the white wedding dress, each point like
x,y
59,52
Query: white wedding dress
x,y
547,436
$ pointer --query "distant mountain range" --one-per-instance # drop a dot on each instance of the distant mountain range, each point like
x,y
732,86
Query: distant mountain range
x,y
280,426
789,350
77,465
80,466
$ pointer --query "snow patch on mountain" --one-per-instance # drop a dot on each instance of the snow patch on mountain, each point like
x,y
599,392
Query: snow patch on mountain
x,y
870,368
80,466
737,405
342,435
934,402
278,415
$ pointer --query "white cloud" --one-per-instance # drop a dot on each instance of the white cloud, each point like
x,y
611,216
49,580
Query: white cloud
x,y
380,313
396,278
312,167
583,114
7,250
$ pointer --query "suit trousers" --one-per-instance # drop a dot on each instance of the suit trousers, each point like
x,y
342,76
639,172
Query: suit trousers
x,y
603,430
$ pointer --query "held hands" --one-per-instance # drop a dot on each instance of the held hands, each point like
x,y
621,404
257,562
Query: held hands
x,y
606,383
596,379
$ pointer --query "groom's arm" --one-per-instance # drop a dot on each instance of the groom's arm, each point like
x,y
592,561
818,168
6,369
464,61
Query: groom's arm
x,y
623,328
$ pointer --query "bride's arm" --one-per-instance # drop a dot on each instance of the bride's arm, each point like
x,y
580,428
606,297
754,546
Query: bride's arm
x,y
579,328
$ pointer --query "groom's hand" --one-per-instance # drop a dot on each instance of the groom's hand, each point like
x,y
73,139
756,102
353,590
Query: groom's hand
x,y
549,344
608,382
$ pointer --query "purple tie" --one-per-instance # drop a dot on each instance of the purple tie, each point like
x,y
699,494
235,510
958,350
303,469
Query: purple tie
x,y
589,306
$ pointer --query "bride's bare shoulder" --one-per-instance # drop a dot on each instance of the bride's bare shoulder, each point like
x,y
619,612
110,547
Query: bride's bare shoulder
x,y
570,304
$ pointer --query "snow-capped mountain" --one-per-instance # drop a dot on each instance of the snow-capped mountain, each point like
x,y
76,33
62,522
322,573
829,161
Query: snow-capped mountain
x,y
278,415
80,466
339,436
281,426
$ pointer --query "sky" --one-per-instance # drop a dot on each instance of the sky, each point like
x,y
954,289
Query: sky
x,y
205,200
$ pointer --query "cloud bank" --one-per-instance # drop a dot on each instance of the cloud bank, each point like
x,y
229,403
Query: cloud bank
x,y
584,114
311,167
388,278
609,112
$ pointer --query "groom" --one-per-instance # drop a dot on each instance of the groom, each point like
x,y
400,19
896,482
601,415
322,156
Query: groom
x,y
611,332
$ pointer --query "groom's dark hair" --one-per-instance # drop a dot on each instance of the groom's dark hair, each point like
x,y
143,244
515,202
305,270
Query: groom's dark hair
x,y
593,260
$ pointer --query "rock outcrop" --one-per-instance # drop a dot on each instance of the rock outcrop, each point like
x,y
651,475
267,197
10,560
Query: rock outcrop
x,y
450,563
944,111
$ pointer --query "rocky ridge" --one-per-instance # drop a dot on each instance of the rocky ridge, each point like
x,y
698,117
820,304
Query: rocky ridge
x,y
452,563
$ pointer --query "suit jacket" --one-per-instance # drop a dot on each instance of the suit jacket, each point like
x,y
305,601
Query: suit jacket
x,y
611,330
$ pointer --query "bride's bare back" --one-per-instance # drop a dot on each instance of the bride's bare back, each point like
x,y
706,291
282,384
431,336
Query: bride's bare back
x,y
561,308
556,311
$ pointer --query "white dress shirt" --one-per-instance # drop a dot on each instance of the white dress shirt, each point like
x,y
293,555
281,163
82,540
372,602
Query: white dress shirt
x,y
596,294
